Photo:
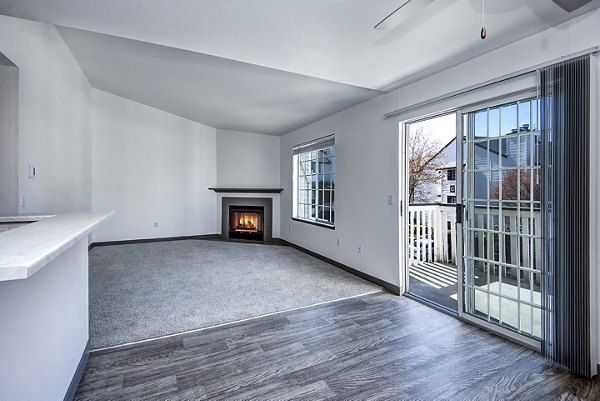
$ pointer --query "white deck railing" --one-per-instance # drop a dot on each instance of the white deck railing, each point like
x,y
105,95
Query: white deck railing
x,y
432,235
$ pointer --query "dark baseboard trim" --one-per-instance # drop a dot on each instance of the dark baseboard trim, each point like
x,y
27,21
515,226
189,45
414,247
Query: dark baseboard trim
x,y
72,390
145,240
394,289
272,241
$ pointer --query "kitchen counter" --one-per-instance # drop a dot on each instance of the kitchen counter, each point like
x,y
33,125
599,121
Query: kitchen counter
x,y
23,218
44,307
28,249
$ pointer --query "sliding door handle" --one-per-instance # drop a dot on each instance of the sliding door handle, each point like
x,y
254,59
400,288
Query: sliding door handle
x,y
459,213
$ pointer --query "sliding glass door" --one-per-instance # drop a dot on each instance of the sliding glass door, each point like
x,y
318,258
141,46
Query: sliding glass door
x,y
501,229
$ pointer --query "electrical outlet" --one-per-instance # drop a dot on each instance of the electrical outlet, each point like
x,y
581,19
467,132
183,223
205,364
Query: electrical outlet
x,y
359,248
339,242
156,224
22,200
390,199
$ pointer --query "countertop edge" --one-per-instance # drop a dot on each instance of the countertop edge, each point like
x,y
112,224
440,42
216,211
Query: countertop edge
x,y
24,271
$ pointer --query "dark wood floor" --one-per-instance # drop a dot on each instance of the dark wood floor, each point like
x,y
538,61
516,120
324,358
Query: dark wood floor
x,y
374,347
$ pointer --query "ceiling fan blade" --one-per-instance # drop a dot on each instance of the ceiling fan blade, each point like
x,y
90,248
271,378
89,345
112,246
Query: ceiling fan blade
x,y
407,9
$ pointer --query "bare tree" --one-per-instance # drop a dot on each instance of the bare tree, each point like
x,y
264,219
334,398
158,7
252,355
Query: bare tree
x,y
512,181
424,161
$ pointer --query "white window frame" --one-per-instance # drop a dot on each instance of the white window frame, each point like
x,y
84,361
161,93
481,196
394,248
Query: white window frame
x,y
314,204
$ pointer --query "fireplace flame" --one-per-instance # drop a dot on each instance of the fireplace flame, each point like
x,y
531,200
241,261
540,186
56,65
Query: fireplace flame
x,y
246,222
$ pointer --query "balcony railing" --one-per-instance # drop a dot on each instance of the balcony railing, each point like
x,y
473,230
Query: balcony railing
x,y
432,235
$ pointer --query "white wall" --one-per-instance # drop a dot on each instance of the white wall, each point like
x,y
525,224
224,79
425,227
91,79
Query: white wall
x,y
366,172
54,118
44,328
9,139
367,148
151,166
247,160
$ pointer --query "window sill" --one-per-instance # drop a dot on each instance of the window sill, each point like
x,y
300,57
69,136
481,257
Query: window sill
x,y
314,223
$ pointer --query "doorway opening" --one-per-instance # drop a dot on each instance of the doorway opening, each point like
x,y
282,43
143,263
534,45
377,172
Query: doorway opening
x,y
431,190
472,231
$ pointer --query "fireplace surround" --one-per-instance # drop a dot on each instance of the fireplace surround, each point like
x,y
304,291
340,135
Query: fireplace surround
x,y
247,218
246,222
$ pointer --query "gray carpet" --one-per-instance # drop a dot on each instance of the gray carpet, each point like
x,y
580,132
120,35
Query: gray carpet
x,y
142,291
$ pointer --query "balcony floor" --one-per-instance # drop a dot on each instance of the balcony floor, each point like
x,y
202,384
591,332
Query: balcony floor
x,y
435,282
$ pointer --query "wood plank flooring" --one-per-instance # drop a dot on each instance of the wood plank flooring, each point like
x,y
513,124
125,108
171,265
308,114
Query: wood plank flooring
x,y
377,347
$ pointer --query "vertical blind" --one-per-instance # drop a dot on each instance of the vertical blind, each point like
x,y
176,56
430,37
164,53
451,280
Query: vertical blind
x,y
565,117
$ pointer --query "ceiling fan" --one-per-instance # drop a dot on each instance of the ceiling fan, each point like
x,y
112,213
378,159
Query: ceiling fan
x,y
410,8
406,10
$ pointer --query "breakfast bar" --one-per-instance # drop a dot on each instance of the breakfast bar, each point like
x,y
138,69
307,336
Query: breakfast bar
x,y
44,304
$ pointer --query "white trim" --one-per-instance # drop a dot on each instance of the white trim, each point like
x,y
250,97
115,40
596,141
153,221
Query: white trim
x,y
506,333
490,82
460,294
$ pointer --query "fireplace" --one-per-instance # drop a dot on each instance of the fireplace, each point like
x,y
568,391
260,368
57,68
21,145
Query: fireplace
x,y
247,219
246,222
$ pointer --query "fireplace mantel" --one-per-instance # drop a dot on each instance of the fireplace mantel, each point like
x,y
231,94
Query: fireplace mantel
x,y
249,190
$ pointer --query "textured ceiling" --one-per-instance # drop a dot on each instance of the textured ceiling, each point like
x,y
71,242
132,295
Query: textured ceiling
x,y
333,40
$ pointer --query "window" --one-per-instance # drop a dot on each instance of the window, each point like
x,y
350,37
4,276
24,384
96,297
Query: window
x,y
451,175
314,181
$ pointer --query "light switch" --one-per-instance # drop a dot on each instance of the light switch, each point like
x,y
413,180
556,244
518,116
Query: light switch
x,y
31,171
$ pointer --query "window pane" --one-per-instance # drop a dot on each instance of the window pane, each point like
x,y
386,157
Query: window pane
x,y
494,153
525,116
313,183
326,214
494,122
306,168
530,184
510,151
508,119
480,129
534,115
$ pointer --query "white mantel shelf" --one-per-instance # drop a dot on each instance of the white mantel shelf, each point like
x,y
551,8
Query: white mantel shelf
x,y
26,250
248,190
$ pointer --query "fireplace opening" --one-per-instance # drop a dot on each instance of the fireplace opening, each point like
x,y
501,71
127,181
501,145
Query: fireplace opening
x,y
246,222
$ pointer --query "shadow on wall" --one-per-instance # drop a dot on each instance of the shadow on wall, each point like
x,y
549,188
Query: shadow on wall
x,y
9,145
